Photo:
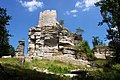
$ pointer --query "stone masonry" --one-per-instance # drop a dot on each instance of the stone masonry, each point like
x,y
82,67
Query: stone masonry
x,y
47,18
20,49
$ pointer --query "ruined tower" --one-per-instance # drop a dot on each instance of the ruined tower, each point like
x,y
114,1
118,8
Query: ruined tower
x,y
47,18
44,39
39,38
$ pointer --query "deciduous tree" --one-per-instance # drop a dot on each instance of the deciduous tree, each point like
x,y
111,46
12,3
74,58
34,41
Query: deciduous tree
x,y
110,11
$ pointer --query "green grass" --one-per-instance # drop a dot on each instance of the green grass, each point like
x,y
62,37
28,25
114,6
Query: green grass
x,y
9,60
26,71
20,73
54,66
107,71
100,62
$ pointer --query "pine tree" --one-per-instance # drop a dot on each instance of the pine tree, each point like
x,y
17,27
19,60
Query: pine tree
x,y
4,35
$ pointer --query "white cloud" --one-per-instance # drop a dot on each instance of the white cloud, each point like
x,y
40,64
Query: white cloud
x,y
73,11
31,5
86,9
67,13
85,4
90,3
78,4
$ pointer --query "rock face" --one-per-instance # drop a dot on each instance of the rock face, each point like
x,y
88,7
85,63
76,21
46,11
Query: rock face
x,y
49,37
50,40
20,49
103,52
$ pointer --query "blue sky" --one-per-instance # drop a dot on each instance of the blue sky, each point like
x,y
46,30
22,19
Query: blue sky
x,y
76,13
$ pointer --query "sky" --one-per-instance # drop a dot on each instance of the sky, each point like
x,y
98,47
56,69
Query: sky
x,y
75,13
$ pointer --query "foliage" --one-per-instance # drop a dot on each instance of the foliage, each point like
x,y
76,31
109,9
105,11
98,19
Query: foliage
x,y
97,42
4,40
83,50
79,30
77,36
110,11
12,50
100,62
84,46
103,75
106,73
61,22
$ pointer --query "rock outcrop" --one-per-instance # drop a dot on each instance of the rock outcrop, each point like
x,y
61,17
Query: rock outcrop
x,y
49,37
50,40
20,49
103,52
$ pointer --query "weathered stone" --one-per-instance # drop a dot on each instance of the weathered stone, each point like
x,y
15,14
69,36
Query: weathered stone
x,y
47,18
6,56
103,52
20,49
43,39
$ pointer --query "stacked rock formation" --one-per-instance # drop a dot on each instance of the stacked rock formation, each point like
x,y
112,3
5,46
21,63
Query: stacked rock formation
x,y
20,49
49,36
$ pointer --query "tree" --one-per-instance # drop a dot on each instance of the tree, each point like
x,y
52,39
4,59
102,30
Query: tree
x,y
4,35
61,22
95,41
83,48
110,11
79,31
11,51
78,34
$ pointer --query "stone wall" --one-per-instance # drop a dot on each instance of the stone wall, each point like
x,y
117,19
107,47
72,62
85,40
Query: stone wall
x,y
47,18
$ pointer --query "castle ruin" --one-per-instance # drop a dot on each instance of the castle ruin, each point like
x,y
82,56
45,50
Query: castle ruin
x,y
46,39
51,40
